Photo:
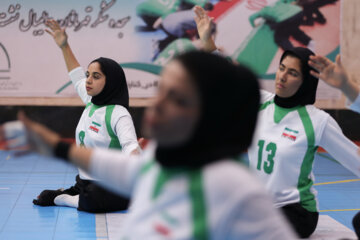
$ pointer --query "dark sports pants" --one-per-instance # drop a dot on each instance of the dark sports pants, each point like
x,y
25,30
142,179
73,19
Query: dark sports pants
x,y
356,224
96,199
302,221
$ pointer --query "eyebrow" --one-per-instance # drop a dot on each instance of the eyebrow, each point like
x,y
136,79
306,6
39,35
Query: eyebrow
x,y
290,69
87,72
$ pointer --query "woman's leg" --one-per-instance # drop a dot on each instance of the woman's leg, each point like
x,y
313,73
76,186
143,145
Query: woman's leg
x,y
96,199
47,197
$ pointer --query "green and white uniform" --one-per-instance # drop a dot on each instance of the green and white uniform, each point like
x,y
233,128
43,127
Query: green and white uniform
x,y
220,201
284,146
107,126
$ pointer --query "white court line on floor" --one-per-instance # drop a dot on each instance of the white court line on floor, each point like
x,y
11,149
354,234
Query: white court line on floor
x,y
114,223
327,229
101,227
4,188
330,229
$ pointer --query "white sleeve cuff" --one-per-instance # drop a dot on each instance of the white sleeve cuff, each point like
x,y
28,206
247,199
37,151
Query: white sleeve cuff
x,y
77,74
355,106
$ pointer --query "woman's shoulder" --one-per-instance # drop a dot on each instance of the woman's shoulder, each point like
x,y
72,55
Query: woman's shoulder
x,y
120,111
266,96
227,175
313,111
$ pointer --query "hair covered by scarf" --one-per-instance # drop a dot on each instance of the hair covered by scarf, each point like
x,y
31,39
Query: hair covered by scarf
x,y
306,94
229,97
115,91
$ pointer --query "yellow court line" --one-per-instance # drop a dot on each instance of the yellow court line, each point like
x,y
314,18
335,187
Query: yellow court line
x,y
342,181
339,210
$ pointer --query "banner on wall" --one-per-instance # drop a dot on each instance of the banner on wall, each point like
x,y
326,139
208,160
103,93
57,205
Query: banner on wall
x,y
144,35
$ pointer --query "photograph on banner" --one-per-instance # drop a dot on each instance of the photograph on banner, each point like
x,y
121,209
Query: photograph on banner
x,y
144,35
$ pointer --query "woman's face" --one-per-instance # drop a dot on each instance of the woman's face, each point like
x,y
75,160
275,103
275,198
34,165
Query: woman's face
x,y
95,79
173,117
288,77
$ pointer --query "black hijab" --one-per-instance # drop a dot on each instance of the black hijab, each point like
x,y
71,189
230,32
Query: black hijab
x,y
229,104
115,91
306,94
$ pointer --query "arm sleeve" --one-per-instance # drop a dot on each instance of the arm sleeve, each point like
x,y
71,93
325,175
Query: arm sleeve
x,y
125,131
256,218
78,79
116,171
340,147
355,106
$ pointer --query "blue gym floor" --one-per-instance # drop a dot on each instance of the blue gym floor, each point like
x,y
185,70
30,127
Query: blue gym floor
x,y
23,178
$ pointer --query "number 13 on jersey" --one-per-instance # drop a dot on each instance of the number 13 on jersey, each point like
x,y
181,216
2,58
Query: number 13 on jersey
x,y
268,164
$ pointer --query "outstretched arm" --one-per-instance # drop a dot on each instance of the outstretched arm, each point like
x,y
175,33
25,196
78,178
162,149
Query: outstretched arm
x,y
61,39
335,75
117,170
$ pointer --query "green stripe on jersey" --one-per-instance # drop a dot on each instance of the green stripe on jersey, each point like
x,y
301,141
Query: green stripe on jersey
x,y
114,143
163,177
265,104
93,109
196,192
146,167
281,112
307,198
87,105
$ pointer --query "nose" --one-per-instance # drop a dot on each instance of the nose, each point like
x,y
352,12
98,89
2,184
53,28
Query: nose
x,y
159,102
283,77
89,80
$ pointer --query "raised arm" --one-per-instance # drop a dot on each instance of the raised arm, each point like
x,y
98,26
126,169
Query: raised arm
x,y
76,73
61,39
335,75
203,23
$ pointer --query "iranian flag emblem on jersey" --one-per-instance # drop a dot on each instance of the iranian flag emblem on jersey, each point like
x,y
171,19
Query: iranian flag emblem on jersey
x,y
94,127
290,134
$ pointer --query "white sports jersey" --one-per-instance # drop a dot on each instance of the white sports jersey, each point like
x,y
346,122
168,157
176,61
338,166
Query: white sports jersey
x,y
284,147
108,126
220,201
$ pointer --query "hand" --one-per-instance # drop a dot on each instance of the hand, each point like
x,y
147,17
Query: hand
x,y
57,33
142,143
28,135
203,23
333,74
13,136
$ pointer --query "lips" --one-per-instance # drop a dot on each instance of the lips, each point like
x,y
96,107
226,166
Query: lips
x,y
88,88
280,86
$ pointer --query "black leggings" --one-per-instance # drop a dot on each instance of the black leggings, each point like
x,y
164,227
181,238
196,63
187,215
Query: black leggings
x,y
356,224
302,221
96,199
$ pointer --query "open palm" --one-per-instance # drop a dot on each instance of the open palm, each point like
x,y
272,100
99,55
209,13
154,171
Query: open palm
x,y
57,33
333,74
